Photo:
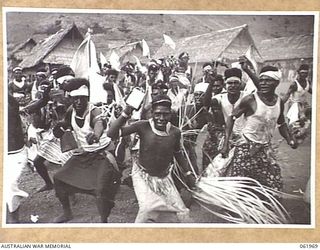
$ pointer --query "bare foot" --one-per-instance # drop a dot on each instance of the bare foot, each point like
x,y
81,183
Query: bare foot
x,y
65,217
45,188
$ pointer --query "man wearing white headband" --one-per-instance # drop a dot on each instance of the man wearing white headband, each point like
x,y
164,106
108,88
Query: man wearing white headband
x,y
47,147
19,88
264,112
207,70
41,75
183,60
194,118
92,169
297,96
222,105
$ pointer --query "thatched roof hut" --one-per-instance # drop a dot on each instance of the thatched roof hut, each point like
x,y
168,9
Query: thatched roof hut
x,y
58,48
227,43
23,49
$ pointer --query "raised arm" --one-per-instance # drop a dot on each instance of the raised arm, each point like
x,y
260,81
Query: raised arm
x,y
208,94
36,105
245,65
119,125
293,87
206,101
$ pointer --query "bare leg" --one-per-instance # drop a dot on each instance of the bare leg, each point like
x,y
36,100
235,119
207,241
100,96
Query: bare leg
x,y
62,194
43,172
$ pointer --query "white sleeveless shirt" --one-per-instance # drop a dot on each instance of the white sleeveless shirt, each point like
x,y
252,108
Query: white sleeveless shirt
x,y
227,109
300,94
261,125
82,132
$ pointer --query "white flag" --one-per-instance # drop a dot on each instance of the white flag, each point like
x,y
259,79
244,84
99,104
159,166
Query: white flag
x,y
103,60
168,40
139,65
115,61
250,57
118,96
145,49
97,92
84,60
85,64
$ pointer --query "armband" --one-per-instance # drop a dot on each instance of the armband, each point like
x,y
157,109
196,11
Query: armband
x,y
188,173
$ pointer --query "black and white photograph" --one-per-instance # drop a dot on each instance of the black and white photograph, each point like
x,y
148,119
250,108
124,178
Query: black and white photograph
x,y
159,118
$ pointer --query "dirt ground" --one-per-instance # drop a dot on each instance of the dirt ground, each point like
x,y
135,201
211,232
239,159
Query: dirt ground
x,y
295,170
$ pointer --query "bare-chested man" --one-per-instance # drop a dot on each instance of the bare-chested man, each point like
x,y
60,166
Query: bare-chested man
x,y
151,173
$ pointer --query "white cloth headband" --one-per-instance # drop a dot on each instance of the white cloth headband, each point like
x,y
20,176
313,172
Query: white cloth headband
x,y
276,75
82,91
232,79
41,74
208,67
17,68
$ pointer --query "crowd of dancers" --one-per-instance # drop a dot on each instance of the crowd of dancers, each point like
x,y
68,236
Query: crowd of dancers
x,y
53,119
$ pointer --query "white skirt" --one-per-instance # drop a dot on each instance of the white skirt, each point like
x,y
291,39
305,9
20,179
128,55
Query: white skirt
x,y
13,168
156,195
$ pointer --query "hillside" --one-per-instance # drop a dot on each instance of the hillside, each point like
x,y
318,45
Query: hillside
x,y
132,27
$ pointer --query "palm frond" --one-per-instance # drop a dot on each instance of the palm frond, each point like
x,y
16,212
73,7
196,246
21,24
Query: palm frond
x,y
244,198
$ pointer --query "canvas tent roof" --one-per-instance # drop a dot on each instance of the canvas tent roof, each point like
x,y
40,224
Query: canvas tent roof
x,y
125,50
227,43
44,47
103,42
284,48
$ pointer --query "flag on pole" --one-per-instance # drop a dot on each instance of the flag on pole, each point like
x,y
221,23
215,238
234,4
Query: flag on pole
x,y
84,60
250,57
97,92
168,40
145,49
103,60
115,61
84,64
250,87
118,96
139,65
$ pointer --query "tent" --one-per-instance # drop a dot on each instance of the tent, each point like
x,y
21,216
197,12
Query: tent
x,y
287,48
287,53
127,51
226,44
